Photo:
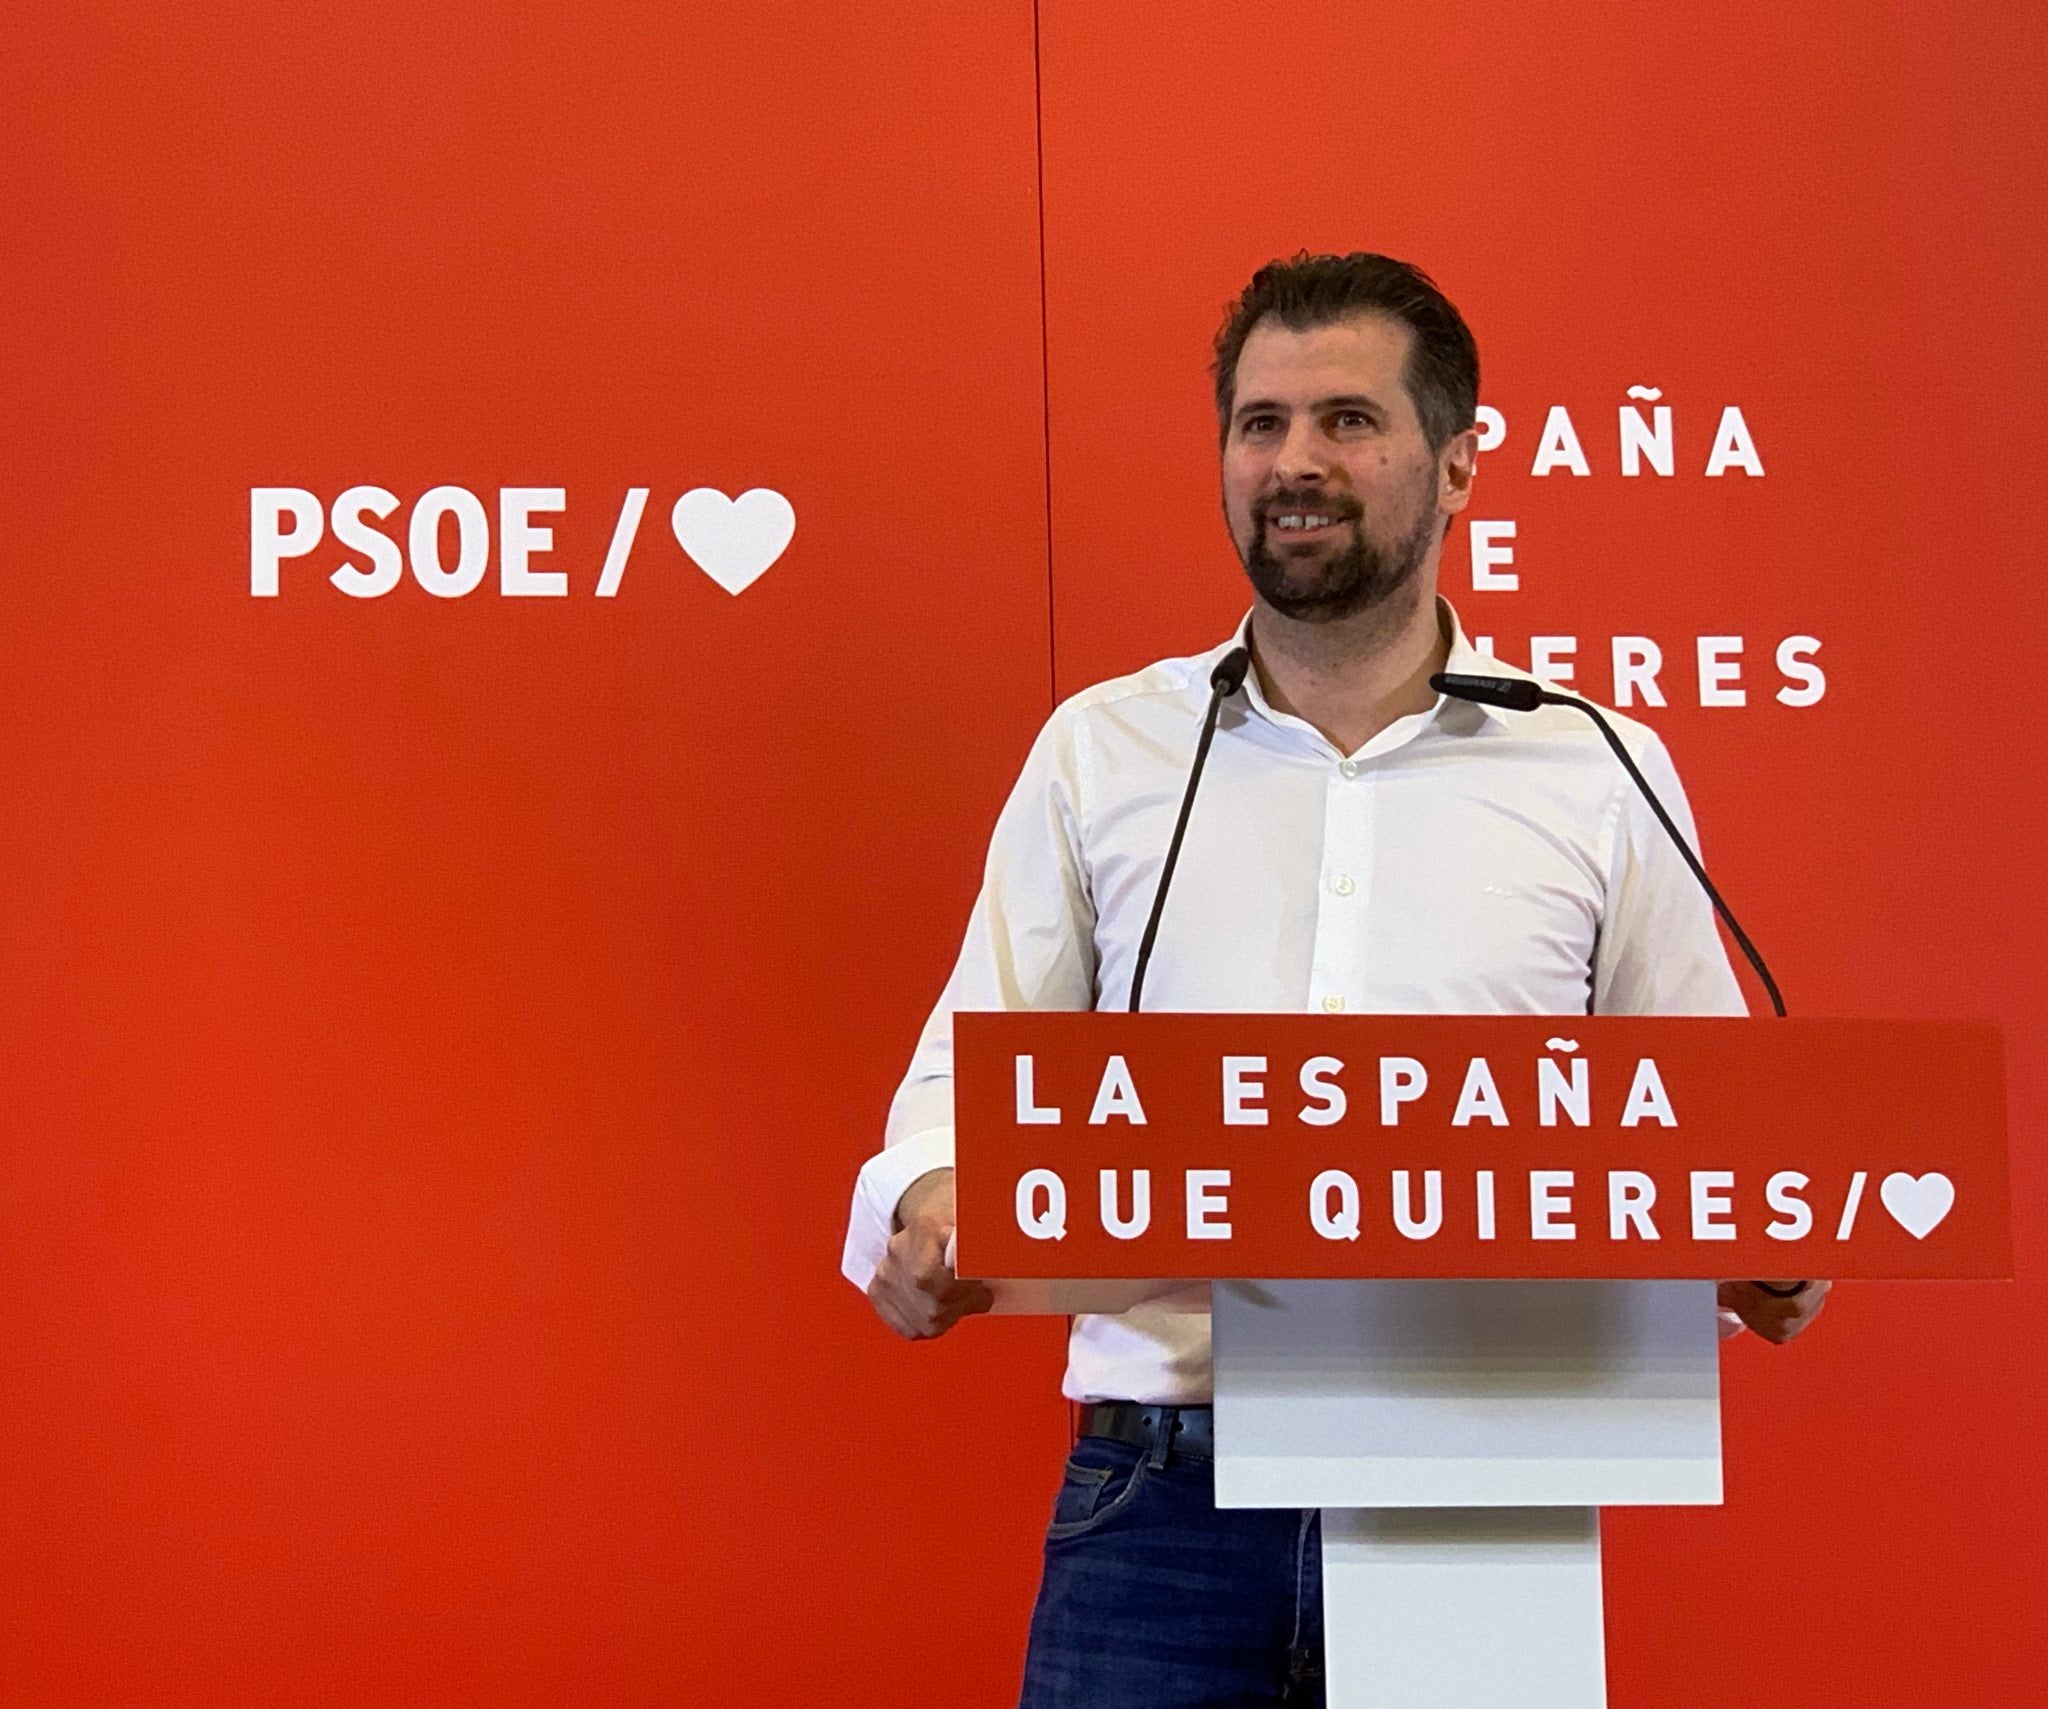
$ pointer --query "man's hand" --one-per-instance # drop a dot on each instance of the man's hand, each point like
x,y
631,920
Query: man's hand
x,y
1775,1319
915,1291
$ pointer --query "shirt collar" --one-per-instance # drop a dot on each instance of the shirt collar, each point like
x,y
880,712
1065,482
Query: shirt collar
x,y
1463,659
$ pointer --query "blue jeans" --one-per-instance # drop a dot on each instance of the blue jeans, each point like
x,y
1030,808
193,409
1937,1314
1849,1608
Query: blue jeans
x,y
1154,1598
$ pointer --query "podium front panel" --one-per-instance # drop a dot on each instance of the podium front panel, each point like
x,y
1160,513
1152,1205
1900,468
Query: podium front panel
x,y
1466,1394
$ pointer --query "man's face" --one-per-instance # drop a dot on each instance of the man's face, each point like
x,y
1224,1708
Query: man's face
x,y
1333,497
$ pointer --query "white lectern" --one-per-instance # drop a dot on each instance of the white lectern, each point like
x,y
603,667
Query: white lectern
x,y
1460,1438
1492,1328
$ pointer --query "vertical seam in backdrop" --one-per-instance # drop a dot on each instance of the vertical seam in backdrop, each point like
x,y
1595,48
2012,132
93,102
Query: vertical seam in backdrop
x,y
1052,643
1044,365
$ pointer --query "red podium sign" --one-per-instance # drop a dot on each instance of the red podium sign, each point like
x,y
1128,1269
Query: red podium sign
x,y
1282,1146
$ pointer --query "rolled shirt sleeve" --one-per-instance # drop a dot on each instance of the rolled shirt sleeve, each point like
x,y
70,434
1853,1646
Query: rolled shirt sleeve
x,y
1029,945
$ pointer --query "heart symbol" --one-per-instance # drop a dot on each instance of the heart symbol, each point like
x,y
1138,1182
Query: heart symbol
x,y
732,540
1918,1206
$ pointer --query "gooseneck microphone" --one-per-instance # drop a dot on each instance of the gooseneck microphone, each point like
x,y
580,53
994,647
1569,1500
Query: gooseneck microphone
x,y
1225,680
1518,694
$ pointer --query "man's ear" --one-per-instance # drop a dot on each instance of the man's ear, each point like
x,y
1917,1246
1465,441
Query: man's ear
x,y
1456,465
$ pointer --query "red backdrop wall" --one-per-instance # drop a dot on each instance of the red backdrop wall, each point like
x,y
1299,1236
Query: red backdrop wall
x,y
440,1032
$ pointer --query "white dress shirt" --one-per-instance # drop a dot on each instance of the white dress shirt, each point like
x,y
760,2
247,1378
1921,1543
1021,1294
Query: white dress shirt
x,y
1467,860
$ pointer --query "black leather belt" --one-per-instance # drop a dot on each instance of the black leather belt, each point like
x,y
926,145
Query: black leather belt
x,y
1189,1430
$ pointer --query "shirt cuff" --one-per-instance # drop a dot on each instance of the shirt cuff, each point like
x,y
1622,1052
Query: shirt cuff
x,y
884,1179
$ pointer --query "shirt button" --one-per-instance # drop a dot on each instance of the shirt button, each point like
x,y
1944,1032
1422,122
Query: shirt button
x,y
1348,767
1342,884
1332,1004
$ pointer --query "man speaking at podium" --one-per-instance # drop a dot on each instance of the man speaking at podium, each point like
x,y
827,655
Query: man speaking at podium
x,y
1359,844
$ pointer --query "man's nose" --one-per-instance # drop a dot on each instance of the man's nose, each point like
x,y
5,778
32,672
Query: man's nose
x,y
1301,460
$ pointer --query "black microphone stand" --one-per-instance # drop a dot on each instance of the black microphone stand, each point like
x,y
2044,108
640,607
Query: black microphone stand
x,y
1519,695
1225,680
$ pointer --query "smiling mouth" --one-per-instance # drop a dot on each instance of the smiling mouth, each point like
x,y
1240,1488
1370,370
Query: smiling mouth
x,y
1304,522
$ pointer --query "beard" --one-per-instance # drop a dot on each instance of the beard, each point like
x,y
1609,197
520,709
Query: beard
x,y
1324,584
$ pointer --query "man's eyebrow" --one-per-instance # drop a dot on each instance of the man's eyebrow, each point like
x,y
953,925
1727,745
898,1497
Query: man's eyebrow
x,y
1343,400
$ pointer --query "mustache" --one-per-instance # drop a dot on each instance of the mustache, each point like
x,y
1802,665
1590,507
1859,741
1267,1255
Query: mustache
x,y
1312,502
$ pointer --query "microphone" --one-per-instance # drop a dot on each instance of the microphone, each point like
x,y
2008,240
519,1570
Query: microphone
x,y
1225,680
1513,692
1518,694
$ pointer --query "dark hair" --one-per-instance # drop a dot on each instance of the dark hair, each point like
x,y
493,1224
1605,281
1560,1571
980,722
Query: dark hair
x,y
1442,371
